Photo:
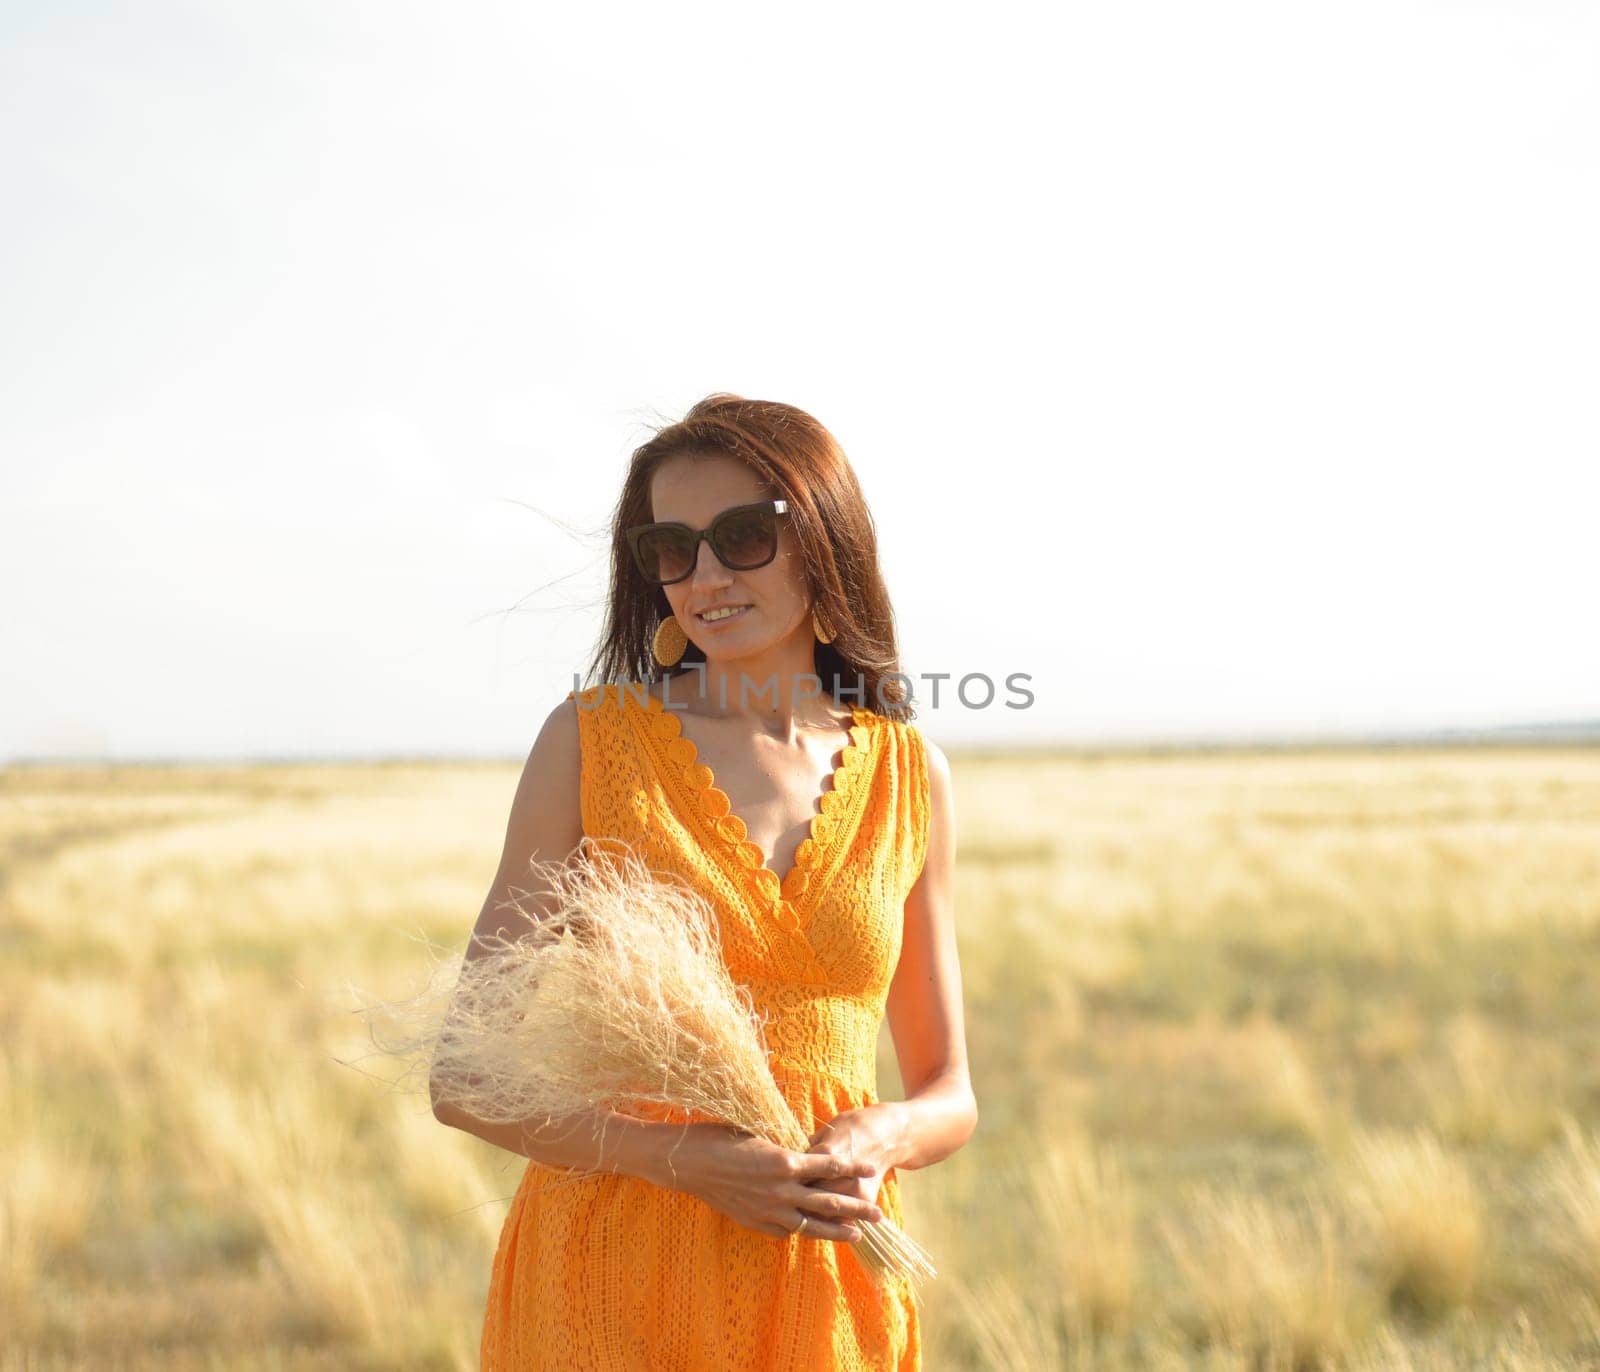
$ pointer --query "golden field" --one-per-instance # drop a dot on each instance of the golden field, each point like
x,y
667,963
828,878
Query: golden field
x,y
1284,1060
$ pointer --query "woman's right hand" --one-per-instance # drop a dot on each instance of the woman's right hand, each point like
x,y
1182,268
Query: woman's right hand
x,y
762,1186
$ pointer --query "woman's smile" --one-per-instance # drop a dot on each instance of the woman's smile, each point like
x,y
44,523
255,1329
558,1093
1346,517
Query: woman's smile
x,y
723,614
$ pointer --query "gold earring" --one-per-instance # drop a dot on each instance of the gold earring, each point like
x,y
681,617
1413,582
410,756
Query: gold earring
x,y
670,641
821,628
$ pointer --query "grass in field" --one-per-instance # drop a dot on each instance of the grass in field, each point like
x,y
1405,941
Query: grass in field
x,y
1284,1061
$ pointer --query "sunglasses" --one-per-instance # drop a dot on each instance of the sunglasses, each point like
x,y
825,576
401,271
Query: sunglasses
x,y
743,538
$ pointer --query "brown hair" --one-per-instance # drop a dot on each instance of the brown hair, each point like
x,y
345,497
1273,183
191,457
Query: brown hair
x,y
799,461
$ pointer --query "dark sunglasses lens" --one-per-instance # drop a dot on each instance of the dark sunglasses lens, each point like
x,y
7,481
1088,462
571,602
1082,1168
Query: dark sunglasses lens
x,y
747,540
667,554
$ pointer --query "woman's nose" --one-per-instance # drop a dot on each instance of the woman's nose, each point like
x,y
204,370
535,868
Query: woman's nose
x,y
708,568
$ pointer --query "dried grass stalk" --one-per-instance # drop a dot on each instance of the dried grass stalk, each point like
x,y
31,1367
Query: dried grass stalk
x,y
618,995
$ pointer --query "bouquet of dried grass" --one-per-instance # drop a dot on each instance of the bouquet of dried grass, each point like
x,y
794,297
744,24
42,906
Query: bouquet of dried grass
x,y
618,994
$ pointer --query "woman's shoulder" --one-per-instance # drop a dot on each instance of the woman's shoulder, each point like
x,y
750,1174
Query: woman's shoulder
x,y
922,757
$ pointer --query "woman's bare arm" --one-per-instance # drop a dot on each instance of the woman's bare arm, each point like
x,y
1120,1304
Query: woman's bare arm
x,y
924,1010
546,824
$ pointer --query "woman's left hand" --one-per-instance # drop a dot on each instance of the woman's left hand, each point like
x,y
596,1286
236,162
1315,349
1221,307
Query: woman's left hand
x,y
860,1134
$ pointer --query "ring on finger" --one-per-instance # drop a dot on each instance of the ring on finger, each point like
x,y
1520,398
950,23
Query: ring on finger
x,y
801,1227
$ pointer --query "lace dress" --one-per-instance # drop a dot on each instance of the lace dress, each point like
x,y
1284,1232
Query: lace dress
x,y
610,1272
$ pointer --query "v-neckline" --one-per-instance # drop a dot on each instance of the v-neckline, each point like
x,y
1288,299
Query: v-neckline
x,y
831,822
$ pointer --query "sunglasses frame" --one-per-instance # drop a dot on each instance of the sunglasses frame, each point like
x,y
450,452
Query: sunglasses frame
x,y
709,534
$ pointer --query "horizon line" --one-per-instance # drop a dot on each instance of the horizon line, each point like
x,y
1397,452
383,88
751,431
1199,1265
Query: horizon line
x,y
1564,734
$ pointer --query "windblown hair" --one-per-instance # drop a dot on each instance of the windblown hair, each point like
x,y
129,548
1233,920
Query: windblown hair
x,y
796,459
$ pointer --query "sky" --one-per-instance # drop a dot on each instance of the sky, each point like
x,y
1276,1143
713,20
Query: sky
x,y
1227,369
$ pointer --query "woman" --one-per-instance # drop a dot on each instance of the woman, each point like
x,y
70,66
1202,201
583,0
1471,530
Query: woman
x,y
749,737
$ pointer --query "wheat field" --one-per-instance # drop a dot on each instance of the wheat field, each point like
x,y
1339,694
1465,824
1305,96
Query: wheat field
x,y
1284,1060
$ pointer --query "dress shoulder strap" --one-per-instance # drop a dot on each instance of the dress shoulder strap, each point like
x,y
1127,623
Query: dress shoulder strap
x,y
610,766
912,755
899,812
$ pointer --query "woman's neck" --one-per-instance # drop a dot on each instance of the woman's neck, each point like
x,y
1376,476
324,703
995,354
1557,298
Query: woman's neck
x,y
776,700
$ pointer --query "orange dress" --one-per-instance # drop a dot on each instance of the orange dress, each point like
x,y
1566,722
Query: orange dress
x,y
611,1273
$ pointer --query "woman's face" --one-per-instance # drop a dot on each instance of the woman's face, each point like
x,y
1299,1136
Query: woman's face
x,y
776,598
